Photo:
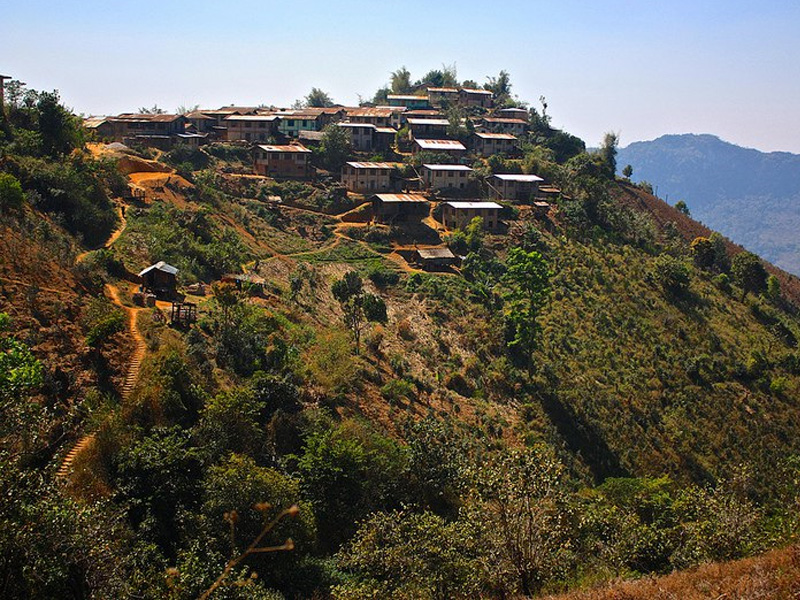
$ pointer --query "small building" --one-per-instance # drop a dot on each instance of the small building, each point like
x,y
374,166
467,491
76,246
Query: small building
x,y
476,97
101,128
452,148
457,215
362,135
291,162
514,186
152,129
380,117
384,138
251,128
512,113
398,207
486,144
443,177
501,125
408,101
290,125
541,208
363,177
193,140
421,113
443,95
160,279
428,129
435,258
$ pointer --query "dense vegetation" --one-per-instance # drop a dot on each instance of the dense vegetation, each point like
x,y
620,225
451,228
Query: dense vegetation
x,y
594,396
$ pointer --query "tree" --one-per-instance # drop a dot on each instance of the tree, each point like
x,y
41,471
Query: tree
x,y
154,110
671,273
608,152
527,279
749,273
400,81
58,126
358,305
500,86
317,99
11,194
682,208
627,171
334,147
703,252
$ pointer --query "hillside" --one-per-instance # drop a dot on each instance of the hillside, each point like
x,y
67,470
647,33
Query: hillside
x,y
750,196
584,398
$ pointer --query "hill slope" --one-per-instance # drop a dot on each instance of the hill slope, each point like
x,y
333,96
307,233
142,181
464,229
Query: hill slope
x,y
750,196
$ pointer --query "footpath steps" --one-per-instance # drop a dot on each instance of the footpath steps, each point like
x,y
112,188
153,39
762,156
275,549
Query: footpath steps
x,y
131,377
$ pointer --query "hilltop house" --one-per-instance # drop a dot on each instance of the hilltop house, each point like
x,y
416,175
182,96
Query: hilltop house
x,y
362,135
457,215
452,148
292,122
514,186
251,128
291,162
442,177
486,144
428,129
388,208
439,95
154,130
512,113
501,125
362,177
476,97
408,101
378,116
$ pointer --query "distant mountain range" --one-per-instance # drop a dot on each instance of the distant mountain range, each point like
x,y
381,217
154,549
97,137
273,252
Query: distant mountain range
x,y
749,196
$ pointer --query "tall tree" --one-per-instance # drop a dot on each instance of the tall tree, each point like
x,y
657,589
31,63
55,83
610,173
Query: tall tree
x,y
500,86
59,127
358,305
749,273
608,152
334,147
527,279
400,81
318,99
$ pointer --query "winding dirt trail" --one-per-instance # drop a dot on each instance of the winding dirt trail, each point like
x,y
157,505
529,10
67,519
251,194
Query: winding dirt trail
x,y
113,238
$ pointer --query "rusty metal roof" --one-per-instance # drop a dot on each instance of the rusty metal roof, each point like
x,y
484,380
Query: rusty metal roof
x,y
504,120
443,90
400,198
290,148
495,136
432,122
373,165
138,117
366,111
356,125
405,97
268,118
476,91
439,144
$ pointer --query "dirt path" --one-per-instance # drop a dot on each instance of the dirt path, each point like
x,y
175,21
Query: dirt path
x,y
113,238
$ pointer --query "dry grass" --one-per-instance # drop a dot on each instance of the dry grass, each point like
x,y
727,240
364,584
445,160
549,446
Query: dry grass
x,y
773,576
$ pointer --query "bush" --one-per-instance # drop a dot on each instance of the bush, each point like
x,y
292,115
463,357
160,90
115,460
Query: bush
x,y
398,390
11,195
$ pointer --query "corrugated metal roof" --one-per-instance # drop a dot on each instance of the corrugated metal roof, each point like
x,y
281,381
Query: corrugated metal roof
x,y
405,97
373,165
447,167
133,117
438,122
391,130
474,204
440,144
435,253
476,91
366,111
160,266
92,122
443,90
290,148
517,177
504,120
268,118
496,136
398,198
356,125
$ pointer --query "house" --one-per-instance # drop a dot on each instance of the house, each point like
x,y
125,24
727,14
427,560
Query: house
x,y
213,121
151,129
251,128
435,258
160,279
362,135
407,101
291,162
443,95
512,113
476,97
291,124
450,147
362,177
502,125
398,207
486,144
100,127
193,140
428,129
380,117
421,113
442,177
513,186
457,215
384,138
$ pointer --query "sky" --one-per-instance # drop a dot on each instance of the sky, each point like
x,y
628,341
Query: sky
x,y
640,68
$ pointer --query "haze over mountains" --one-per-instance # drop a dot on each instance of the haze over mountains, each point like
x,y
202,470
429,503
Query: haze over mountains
x,y
750,196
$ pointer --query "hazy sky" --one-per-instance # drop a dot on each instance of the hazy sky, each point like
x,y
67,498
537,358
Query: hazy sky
x,y
641,68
